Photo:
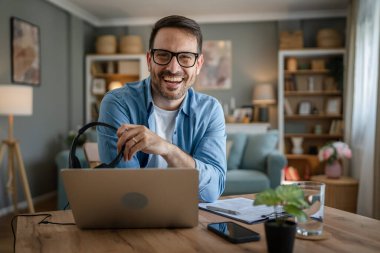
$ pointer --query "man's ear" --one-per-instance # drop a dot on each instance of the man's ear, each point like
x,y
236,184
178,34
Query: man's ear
x,y
148,60
199,63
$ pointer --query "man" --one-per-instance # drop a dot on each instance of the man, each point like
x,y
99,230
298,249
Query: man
x,y
162,120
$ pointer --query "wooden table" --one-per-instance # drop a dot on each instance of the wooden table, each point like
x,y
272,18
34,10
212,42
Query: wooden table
x,y
340,193
349,233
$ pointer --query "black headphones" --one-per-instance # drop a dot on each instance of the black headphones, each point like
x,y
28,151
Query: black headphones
x,y
73,159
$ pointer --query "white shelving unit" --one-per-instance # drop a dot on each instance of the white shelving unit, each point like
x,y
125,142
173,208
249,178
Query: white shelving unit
x,y
306,54
90,59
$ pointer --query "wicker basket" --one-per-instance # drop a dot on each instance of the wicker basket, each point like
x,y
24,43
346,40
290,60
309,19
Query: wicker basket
x,y
131,44
329,38
106,44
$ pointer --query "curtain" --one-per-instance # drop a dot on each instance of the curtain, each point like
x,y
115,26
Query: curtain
x,y
365,66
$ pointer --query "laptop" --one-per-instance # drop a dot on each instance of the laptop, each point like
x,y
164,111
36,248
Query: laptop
x,y
132,198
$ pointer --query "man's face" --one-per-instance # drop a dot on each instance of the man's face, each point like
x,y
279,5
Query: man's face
x,y
171,82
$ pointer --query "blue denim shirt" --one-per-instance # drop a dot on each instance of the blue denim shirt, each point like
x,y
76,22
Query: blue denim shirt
x,y
199,131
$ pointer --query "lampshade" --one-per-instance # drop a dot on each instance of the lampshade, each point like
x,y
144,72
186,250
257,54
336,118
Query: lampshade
x,y
263,94
16,100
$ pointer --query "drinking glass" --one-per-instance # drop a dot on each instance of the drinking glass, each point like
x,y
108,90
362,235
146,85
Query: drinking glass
x,y
315,196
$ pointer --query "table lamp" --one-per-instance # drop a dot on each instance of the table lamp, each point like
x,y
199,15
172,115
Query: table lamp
x,y
263,95
15,100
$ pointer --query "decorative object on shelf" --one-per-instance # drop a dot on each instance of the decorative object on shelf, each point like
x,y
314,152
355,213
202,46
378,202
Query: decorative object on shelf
x,y
98,86
297,145
318,64
114,85
329,38
131,44
333,106
329,84
243,114
336,127
332,154
304,108
217,67
291,174
15,100
291,40
263,96
26,63
318,129
288,108
280,232
291,64
106,44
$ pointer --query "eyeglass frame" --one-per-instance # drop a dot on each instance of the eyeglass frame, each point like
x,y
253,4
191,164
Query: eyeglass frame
x,y
172,55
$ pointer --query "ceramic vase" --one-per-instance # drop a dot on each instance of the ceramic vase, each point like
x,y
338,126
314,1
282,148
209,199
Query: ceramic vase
x,y
333,170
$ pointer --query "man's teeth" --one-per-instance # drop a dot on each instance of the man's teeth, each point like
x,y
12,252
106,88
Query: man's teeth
x,y
172,78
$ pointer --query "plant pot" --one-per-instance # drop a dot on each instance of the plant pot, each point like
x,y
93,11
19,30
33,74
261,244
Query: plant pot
x,y
333,170
280,237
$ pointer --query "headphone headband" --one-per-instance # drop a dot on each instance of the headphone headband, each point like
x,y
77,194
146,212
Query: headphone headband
x,y
73,159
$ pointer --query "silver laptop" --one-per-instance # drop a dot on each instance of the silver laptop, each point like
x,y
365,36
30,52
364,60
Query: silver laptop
x,y
137,198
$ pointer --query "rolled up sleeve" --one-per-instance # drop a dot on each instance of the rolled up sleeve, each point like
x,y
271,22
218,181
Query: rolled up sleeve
x,y
210,158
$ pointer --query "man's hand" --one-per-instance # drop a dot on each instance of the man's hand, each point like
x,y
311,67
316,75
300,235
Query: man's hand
x,y
139,138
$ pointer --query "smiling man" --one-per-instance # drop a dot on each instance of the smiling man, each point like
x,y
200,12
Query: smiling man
x,y
161,120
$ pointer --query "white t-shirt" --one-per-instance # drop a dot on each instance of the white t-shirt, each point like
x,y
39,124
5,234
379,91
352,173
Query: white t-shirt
x,y
165,123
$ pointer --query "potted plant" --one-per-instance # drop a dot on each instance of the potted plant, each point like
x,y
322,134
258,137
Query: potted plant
x,y
333,153
280,231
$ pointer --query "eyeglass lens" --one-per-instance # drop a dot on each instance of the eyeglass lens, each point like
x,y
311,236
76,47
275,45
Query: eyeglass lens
x,y
163,57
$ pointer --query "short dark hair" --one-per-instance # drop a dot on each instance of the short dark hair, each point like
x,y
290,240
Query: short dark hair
x,y
177,22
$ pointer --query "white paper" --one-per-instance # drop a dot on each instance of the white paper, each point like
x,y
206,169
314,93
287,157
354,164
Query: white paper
x,y
248,212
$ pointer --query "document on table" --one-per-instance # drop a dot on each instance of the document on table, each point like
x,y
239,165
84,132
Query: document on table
x,y
240,209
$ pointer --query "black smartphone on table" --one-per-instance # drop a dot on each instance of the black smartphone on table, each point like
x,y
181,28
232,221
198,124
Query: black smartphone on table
x,y
233,232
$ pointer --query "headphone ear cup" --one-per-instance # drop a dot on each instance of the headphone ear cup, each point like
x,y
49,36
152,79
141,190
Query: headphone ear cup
x,y
76,163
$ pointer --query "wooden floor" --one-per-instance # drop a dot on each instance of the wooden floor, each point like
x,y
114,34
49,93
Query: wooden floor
x,y
6,237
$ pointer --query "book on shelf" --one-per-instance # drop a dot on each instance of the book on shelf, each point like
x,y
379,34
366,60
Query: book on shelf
x,y
336,127
96,68
288,108
290,84
128,67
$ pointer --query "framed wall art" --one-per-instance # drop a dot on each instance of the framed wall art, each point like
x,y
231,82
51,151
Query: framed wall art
x,y
25,52
216,69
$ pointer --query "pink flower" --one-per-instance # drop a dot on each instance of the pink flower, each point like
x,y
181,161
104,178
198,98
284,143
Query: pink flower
x,y
334,151
347,153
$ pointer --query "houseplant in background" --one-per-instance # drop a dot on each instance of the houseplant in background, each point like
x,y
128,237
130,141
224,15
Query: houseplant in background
x,y
333,153
280,231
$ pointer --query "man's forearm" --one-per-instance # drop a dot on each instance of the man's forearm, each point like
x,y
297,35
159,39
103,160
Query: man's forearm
x,y
176,157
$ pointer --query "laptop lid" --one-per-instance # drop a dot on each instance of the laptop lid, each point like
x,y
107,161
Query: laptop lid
x,y
132,198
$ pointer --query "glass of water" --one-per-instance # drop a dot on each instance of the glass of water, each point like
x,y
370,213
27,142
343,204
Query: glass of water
x,y
315,196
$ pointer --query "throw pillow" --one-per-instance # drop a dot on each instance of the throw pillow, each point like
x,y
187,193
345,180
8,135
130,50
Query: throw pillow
x,y
237,149
257,148
228,148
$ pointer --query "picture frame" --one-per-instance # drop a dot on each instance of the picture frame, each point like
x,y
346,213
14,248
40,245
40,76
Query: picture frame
x,y
304,108
243,114
217,67
25,52
98,86
333,106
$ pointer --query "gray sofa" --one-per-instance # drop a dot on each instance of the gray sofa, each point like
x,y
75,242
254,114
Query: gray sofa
x,y
253,163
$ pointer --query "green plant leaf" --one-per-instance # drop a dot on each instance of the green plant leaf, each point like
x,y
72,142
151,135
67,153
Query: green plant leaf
x,y
267,197
296,212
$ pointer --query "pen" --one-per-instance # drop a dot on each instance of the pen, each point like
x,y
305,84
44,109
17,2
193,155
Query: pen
x,y
222,210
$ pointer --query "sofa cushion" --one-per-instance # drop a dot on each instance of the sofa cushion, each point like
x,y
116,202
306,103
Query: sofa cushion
x,y
257,148
237,149
245,181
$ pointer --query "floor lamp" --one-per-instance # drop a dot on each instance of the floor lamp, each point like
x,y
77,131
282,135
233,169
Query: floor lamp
x,y
15,100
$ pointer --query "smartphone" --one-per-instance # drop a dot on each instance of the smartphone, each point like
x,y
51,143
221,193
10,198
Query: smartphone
x,y
233,232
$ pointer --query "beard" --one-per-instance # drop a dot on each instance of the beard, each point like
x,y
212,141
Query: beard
x,y
174,90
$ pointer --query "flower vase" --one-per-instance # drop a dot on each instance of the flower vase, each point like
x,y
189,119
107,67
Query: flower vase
x,y
333,170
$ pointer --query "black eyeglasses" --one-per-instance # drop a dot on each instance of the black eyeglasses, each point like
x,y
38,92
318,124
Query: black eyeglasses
x,y
184,59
